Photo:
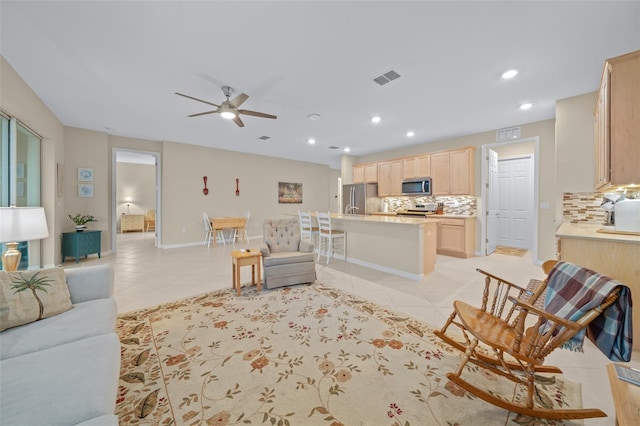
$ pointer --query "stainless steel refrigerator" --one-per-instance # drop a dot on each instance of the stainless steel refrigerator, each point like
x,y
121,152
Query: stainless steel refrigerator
x,y
360,198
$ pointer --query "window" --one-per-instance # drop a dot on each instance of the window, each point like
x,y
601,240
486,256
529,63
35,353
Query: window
x,y
20,182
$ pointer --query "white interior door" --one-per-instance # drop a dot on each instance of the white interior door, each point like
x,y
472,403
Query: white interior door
x,y
492,202
515,202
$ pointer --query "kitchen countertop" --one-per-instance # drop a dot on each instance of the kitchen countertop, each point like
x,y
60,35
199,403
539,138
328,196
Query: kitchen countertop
x,y
590,231
428,216
395,219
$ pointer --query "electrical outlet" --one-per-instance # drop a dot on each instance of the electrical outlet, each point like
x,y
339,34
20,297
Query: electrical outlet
x,y
184,229
544,205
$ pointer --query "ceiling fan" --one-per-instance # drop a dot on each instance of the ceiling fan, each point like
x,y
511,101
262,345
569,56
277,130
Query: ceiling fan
x,y
229,108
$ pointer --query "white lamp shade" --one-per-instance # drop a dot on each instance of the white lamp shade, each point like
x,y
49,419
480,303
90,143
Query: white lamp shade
x,y
22,224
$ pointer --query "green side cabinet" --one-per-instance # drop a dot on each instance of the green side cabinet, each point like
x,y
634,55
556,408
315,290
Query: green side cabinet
x,y
78,244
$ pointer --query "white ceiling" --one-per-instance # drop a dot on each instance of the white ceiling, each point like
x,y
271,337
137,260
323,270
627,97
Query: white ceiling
x,y
113,66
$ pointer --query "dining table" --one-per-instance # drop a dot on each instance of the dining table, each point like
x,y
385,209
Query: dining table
x,y
221,223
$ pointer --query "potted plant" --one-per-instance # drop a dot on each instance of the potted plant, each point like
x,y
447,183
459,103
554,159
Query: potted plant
x,y
81,220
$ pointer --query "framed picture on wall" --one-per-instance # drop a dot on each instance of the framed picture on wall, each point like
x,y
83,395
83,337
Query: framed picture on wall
x,y
289,193
85,174
85,190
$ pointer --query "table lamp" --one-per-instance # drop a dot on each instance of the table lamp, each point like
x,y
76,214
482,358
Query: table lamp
x,y
128,200
20,224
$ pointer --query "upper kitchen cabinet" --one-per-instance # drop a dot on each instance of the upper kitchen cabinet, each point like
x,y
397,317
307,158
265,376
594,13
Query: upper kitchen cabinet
x,y
417,167
617,123
452,172
365,173
390,178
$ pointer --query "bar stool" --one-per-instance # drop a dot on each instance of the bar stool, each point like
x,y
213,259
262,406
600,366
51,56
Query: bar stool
x,y
307,230
329,239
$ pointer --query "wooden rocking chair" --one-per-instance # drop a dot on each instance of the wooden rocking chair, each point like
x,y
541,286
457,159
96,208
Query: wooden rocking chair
x,y
517,337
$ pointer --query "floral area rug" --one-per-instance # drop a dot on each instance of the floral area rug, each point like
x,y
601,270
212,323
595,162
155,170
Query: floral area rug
x,y
305,355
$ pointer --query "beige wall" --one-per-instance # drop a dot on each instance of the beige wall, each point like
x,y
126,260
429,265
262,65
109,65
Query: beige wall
x,y
183,202
575,152
18,100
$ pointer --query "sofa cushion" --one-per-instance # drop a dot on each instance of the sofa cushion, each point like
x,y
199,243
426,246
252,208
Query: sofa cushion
x,y
85,320
285,258
282,235
64,385
27,296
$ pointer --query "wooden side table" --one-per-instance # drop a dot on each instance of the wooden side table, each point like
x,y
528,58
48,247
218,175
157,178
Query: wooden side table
x,y
626,399
251,258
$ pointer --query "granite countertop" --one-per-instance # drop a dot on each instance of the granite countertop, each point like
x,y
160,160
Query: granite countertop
x,y
590,231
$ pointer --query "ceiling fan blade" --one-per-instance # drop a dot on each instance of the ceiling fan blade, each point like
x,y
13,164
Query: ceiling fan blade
x,y
238,100
256,113
238,121
196,99
202,113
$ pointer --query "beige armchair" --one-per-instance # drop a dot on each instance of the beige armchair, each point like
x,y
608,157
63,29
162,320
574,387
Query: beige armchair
x,y
150,220
287,259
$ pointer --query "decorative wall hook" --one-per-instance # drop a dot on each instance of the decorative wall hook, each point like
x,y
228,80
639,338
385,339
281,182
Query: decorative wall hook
x,y
205,191
237,188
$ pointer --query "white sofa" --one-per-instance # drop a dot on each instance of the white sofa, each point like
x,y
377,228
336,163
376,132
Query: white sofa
x,y
64,370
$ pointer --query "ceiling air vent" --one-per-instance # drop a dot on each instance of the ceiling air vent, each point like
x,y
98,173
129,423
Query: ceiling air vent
x,y
386,77
264,138
507,134
334,147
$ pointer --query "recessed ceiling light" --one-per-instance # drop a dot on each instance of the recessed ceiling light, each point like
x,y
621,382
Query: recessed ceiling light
x,y
410,134
311,141
347,149
375,119
525,106
313,116
509,74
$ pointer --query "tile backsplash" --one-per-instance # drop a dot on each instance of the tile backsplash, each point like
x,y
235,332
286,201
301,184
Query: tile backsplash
x,y
462,205
583,207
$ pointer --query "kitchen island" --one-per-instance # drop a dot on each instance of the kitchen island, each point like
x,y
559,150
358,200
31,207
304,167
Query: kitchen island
x,y
404,246
612,254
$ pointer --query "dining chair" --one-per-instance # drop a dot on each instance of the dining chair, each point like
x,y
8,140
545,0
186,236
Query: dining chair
x,y
150,220
208,231
307,230
329,239
247,215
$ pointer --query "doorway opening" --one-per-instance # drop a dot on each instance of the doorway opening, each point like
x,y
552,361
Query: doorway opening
x,y
136,194
509,212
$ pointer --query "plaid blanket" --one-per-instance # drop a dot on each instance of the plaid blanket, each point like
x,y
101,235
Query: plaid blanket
x,y
573,290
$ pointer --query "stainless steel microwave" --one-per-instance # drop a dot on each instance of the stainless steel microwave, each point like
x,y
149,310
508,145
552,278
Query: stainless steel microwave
x,y
416,186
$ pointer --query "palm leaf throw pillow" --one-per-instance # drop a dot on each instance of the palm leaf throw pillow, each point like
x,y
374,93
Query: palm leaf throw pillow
x,y
28,296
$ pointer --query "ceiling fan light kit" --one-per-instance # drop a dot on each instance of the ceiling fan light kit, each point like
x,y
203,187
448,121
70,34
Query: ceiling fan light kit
x,y
229,108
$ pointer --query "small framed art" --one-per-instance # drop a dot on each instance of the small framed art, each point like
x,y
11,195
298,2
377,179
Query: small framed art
x,y
85,174
85,190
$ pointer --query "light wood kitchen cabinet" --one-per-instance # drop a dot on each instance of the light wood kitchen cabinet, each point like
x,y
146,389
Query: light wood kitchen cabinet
x,y
617,123
456,237
390,178
416,167
365,173
358,173
452,172
615,258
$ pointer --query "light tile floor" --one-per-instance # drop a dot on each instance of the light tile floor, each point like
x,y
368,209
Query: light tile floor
x,y
146,276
